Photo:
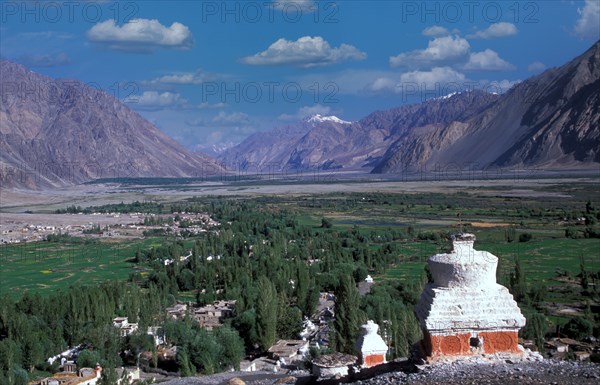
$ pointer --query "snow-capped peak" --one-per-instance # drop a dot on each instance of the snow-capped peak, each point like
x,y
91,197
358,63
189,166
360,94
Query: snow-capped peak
x,y
449,95
319,119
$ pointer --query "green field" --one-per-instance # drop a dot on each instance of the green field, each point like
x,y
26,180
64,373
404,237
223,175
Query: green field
x,y
46,266
487,212
541,260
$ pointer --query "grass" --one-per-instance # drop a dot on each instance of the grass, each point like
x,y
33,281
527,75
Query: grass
x,y
413,259
540,260
44,267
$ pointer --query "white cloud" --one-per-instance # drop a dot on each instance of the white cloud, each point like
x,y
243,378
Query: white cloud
x,y
44,60
438,78
499,86
588,24
47,35
232,119
292,5
487,60
536,66
305,52
208,106
501,29
440,51
306,111
141,35
154,100
197,77
450,51
222,119
437,75
344,82
198,122
37,49
383,84
435,30
215,137
179,79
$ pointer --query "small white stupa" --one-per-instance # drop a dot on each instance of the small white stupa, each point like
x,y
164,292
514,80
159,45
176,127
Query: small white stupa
x,y
370,346
464,311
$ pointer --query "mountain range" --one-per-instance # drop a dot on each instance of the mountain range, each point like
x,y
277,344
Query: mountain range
x,y
550,120
61,132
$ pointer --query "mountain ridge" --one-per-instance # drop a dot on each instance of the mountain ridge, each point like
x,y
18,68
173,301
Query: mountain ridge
x,y
65,133
335,144
524,127
550,120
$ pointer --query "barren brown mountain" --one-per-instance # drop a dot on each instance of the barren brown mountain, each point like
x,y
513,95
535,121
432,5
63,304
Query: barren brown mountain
x,y
62,132
551,121
331,143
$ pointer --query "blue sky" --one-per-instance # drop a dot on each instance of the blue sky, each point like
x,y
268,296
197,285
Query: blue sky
x,y
212,72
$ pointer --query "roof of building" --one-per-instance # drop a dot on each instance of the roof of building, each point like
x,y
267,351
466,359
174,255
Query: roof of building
x,y
287,348
335,360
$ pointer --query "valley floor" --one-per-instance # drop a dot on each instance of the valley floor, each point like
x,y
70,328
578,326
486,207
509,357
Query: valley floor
x,y
18,201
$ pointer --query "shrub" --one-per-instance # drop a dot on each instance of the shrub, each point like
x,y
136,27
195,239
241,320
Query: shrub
x,y
578,328
525,237
571,233
326,223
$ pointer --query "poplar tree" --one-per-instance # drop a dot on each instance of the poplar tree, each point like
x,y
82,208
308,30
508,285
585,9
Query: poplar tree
x,y
348,316
517,282
233,347
266,313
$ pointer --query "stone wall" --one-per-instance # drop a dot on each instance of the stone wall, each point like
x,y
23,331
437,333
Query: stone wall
x,y
374,359
467,344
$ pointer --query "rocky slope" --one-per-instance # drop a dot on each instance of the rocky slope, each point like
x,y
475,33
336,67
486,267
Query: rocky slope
x,y
328,142
264,148
62,132
546,372
551,120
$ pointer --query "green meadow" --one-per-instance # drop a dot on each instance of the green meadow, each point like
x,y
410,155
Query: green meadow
x,y
542,260
47,266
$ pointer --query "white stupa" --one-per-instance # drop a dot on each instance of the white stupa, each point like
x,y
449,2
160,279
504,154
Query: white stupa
x,y
464,311
370,346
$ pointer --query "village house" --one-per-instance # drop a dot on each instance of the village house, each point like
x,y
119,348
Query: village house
x,y
265,364
70,376
125,328
288,351
214,314
208,316
560,347
364,287
283,353
127,376
332,365
68,354
157,334
309,330
177,311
